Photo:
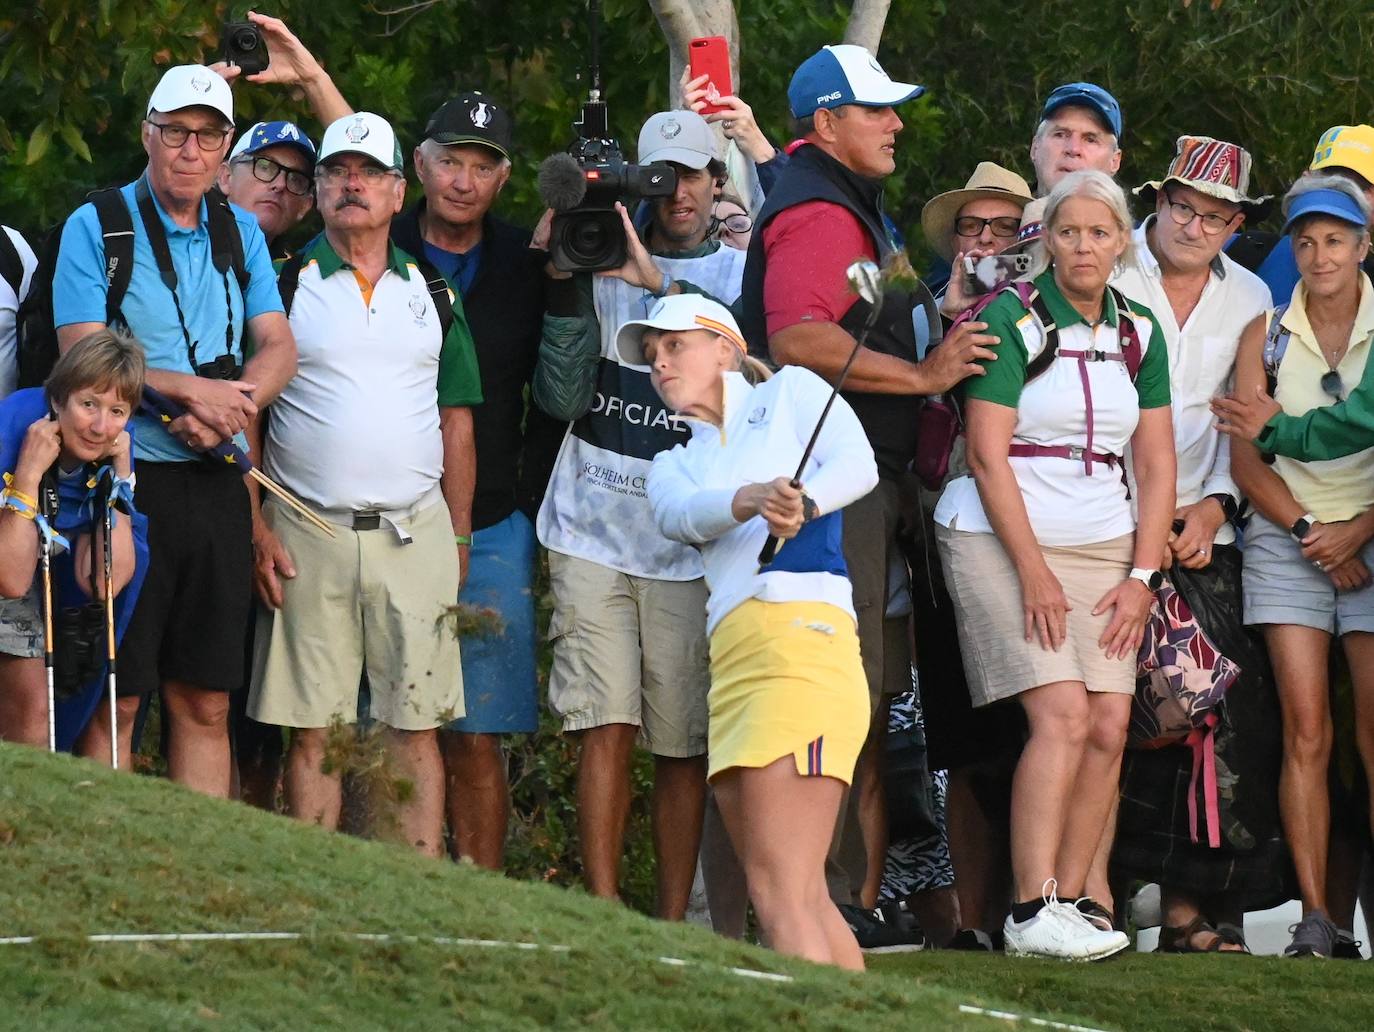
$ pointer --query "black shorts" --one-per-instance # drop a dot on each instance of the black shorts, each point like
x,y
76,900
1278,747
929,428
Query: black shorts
x,y
193,612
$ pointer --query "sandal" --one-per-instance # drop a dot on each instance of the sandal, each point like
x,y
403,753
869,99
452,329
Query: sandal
x,y
1174,939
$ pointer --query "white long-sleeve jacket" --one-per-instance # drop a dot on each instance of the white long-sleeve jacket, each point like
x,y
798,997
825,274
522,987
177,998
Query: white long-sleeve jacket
x,y
765,429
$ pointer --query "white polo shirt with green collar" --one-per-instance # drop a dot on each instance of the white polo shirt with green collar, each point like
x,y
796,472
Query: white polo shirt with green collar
x,y
358,425
1066,507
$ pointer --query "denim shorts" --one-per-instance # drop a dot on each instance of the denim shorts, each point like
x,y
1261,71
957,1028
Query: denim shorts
x,y
21,625
1281,587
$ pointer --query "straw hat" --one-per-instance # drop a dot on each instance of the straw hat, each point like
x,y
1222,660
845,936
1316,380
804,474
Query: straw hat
x,y
1213,167
989,180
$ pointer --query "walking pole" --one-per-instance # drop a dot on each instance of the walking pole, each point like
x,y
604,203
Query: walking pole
x,y
45,559
865,279
107,519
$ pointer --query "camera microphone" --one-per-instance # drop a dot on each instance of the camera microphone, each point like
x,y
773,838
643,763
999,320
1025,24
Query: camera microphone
x,y
561,182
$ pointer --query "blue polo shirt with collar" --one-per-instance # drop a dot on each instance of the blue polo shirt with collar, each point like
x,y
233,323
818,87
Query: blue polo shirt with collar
x,y
79,288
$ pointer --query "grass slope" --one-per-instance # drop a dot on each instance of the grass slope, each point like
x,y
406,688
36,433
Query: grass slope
x,y
83,852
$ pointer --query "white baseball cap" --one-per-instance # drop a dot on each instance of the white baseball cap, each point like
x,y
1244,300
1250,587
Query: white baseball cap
x,y
679,136
366,134
845,74
192,86
680,312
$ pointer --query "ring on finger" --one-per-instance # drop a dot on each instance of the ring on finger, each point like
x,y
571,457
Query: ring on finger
x,y
1318,564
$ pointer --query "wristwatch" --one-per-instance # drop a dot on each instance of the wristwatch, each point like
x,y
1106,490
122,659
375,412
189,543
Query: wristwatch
x,y
1229,508
1302,527
810,510
1152,579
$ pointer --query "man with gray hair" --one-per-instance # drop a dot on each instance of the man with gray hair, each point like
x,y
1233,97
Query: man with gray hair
x,y
1080,127
387,380
463,163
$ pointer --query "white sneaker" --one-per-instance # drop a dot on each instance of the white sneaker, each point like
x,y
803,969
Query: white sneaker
x,y
1060,932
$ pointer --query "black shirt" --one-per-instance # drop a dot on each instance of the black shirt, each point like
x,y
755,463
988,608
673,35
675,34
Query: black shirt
x,y
516,443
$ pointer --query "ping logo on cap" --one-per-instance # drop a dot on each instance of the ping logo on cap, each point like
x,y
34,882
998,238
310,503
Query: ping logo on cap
x,y
827,98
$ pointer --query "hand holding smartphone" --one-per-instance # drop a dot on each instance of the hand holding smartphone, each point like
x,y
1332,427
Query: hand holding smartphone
x,y
710,56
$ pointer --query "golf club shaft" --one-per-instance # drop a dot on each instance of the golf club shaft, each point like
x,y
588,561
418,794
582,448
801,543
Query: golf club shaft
x,y
770,546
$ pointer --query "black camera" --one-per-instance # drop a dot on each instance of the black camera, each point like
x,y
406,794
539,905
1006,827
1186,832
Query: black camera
x,y
242,44
222,368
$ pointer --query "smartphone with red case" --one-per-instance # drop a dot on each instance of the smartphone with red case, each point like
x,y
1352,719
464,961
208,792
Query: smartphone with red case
x,y
710,55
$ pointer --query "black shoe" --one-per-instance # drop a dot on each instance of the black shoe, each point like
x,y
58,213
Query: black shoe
x,y
887,929
1347,947
972,939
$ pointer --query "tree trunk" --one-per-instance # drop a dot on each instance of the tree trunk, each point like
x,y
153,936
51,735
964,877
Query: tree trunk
x,y
866,22
685,20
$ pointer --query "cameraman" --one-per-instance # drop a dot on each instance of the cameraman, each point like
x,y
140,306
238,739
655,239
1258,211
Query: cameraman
x,y
629,619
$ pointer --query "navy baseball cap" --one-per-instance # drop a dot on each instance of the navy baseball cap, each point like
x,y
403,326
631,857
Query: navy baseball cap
x,y
845,74
1324,202
1088,95
273,134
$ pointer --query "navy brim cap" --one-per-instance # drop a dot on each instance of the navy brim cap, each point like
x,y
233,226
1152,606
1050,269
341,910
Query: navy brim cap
x,y
1088,95
1325,202
273,134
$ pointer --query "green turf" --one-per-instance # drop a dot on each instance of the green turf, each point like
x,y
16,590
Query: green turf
x,y
84,852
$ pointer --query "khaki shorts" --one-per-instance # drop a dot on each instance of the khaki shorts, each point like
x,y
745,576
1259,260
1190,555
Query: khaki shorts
x,y
986,591
629,650
360,587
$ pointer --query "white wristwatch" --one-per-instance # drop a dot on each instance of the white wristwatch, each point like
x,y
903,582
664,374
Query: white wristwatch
x,y
1152,579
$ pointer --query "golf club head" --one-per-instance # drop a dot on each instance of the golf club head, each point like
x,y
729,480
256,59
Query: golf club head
x,y
866,280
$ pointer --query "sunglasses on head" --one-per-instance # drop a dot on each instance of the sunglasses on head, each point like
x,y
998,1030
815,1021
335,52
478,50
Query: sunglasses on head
x,y
1332,385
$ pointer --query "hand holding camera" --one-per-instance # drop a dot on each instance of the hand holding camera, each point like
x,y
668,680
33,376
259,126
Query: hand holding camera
x,y
639,269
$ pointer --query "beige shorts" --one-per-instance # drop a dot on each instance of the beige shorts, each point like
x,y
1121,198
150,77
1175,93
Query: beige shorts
x,y
998,661
360,600
629,650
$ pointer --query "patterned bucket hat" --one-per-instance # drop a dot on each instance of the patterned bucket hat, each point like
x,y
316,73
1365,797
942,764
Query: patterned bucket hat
x,y
1213,167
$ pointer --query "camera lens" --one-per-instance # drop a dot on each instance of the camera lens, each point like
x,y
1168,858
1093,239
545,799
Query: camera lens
x,y
246,40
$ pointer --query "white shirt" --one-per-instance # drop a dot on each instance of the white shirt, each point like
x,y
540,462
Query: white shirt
x,y
1202,355
358,425
9,307
1065,505
763,434
596,507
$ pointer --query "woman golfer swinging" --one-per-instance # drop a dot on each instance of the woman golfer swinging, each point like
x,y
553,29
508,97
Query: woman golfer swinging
x,y
788,701
66,455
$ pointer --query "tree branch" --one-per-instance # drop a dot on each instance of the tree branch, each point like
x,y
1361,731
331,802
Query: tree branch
x,y
866,22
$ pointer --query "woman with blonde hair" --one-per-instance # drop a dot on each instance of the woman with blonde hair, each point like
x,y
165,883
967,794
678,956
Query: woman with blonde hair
x,y
788,700
1052,577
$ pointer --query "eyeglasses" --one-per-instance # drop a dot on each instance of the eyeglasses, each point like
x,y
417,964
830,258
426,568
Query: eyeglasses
x,y
736,223
1183,214
1332,385
265,170
972,226
175,136
339,174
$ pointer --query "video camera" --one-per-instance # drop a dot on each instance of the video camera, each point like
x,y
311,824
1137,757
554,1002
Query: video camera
x,y
582,185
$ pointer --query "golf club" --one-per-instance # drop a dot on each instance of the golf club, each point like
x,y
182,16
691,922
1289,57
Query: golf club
x,y
107,521
866,280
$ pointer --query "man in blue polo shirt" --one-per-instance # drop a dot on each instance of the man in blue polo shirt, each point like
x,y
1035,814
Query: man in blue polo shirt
x,y
191,316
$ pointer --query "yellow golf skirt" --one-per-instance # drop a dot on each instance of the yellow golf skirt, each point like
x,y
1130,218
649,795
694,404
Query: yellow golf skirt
x,y
787,679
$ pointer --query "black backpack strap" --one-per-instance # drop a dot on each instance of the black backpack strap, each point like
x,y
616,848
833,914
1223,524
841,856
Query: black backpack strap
x,y
439,290
117,235
226,243
11,265
288,279
1050,351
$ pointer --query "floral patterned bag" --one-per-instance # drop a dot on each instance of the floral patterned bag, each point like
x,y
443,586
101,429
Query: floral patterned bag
x,y
1181,679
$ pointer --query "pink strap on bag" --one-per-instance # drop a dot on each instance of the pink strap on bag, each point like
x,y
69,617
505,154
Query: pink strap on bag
x,y
1203,742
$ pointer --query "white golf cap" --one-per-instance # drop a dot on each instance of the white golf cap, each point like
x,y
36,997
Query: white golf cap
x,y
845,74
192,86
679,136
366,134
679,312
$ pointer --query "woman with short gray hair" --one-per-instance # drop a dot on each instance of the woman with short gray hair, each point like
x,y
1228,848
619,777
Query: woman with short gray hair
x,y
1052,577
